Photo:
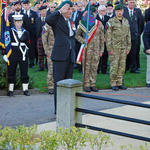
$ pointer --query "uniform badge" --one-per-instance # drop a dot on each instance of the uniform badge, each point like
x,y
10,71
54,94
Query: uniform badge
x,y
32,20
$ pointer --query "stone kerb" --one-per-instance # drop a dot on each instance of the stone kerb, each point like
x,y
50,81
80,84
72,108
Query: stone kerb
x,y
67,102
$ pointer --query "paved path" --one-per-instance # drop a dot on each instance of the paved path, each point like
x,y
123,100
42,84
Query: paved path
x,y
39,108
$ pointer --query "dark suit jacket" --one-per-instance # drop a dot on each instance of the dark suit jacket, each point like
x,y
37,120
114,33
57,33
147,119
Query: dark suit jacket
x,y
146,37
78,17
147,15
64,44
104,22
32,24
25,20
39,24
136,24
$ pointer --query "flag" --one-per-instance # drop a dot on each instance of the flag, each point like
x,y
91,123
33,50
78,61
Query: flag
x,y
5,41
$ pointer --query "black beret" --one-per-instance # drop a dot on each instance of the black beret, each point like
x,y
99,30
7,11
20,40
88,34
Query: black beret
x,y
26,2
96,4
42,7
109,4
117,2
17,2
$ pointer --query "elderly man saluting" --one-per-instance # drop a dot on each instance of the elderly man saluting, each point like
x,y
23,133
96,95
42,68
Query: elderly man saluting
x,y
63,54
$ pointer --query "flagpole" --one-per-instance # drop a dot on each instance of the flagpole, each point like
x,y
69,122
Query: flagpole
x,y
86,38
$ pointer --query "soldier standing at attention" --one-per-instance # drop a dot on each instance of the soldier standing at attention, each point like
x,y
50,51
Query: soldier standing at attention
x,y
48,42
118,41
94,51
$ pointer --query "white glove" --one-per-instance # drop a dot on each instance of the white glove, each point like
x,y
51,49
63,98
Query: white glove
x,y
5,58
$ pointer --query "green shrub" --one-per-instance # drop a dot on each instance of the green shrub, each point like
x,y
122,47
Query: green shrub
x,y
26,138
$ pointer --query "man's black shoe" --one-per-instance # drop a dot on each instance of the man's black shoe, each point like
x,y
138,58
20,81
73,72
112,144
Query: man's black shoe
x,y
94,89
26,93
87,89
10,93
115,88
148,85
51,91
135,71
121,87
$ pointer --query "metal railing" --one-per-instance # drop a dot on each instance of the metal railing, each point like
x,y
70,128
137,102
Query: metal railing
x,y
139,121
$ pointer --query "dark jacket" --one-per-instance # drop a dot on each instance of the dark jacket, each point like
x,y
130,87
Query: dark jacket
x,y
146,37
39,25
15,45
136,23
64,44
147,15
104,22
32,24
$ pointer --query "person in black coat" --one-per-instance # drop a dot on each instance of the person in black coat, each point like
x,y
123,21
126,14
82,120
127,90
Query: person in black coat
x,y
76,17
146,40
19,45
101,16
40,22
136,22
63,54
147,14
17,6
32,15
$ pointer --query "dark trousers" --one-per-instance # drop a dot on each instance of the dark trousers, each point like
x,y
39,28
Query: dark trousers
x,y
131,62
61,70
103,62
32,52
138,54
23,65
41,53
77,48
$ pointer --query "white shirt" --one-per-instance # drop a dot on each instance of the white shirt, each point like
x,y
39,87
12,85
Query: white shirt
x,y
28,12
71,33
19,32
131,11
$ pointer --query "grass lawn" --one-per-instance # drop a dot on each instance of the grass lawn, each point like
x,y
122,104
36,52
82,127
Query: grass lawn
x,y
130,79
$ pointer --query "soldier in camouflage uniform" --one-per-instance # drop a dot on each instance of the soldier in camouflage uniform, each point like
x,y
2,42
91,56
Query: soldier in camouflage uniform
x,y
94,50
48,41
118,43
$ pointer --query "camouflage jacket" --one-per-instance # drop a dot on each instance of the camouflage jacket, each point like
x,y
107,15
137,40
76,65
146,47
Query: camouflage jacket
x,y
97,43
118,35
47,38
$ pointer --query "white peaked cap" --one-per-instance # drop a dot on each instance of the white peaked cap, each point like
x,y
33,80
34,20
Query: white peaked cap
x,y
17,17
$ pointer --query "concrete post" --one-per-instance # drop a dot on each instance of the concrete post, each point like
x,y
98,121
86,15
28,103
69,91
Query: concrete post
x,y
67,102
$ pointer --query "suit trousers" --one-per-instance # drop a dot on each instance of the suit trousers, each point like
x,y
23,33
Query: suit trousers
x,y
148,70
23,65
131,58
61,70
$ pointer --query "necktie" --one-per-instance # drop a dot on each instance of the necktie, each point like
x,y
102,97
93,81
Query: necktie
x,y
131,15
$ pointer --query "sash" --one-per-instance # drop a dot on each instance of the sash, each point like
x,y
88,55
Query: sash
x,y
79,57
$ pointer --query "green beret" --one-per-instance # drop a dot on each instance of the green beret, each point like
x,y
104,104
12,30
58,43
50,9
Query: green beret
x,y
63,3
118,7
45,1
92,8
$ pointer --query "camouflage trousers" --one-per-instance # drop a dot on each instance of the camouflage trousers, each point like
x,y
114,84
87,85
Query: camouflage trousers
x,y
50,80
117,67
90,67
